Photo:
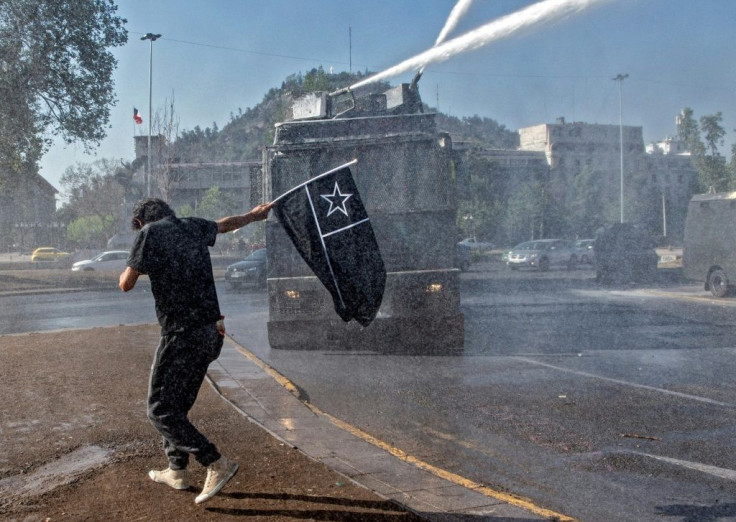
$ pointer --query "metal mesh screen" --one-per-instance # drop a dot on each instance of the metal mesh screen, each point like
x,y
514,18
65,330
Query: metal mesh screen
x,y
405,181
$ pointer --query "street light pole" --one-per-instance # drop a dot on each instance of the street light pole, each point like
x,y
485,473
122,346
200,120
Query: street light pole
x,y
620,79
664,213
152,37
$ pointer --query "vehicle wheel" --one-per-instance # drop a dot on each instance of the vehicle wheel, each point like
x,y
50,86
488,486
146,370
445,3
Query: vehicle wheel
x,y
88,269
512,267
235,286
543,264
572,263
718,283
584,260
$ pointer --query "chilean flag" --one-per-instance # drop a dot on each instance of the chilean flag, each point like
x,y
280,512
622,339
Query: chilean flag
x,y
136,117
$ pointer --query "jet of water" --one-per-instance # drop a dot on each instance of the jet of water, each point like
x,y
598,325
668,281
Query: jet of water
x,y
457,12
461,7
531,16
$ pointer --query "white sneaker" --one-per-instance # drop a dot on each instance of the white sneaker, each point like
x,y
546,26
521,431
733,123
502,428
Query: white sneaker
x,y
218,473
176,478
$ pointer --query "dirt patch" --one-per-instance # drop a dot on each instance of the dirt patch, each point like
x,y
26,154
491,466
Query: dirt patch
x,y
77,444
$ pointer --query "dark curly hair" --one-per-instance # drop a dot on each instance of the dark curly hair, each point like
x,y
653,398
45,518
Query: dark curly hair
x,y
148,210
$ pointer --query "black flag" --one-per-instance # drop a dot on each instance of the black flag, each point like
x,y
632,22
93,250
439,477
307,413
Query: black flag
x,y
327,222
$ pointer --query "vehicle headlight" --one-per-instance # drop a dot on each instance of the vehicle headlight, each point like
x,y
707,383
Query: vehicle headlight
x,y
532,256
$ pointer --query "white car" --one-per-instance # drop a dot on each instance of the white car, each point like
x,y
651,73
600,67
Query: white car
x,y
542,254
110,261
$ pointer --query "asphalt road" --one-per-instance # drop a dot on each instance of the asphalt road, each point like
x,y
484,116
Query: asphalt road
x,y
601,403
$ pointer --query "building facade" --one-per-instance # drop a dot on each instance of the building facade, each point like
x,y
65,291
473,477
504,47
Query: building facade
x,y
658,180
186,183
28,216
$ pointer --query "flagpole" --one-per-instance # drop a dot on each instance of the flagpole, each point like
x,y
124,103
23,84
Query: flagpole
x,y
355,161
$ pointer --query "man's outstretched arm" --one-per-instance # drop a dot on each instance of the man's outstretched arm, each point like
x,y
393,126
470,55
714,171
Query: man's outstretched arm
x,y
128,279
230,223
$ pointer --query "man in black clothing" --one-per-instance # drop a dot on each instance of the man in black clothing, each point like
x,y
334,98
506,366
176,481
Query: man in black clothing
x,y
174,254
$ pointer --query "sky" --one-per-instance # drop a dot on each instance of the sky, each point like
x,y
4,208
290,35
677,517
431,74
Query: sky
x,y
218,56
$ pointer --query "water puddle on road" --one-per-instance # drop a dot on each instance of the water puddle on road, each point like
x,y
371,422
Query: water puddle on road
x,y
54,474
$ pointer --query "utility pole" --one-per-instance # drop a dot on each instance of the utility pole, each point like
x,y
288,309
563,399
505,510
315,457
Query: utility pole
x,y
620,79
350,44
152,37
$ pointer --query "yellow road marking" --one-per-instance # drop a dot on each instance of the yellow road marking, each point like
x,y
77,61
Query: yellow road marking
x,y
444,474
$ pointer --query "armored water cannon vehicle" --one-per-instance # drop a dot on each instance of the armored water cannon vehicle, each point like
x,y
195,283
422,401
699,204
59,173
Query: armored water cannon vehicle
x,y
405,176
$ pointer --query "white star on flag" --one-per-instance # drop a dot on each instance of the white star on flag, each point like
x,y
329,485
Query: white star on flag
x,y
336,200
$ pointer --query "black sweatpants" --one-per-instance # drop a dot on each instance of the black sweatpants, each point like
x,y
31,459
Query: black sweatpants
x,y
178,370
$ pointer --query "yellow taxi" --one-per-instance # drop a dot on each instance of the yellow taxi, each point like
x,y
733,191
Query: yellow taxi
x,y
48,254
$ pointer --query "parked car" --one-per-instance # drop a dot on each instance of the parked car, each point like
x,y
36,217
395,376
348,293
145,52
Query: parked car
x,y
542,254
251,271
48,254
475,245
585,250
111,261
624,253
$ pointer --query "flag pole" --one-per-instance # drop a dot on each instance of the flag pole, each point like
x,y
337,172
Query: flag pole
x,y
354,162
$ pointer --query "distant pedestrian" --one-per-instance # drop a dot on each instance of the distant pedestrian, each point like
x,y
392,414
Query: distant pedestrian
x,y
174,254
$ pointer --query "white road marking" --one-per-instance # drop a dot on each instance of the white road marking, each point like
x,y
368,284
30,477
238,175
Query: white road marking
x,y
627,383
723,473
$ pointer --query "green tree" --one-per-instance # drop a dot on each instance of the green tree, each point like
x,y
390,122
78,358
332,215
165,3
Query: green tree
x,y
585,213
185,211
55,76
525,212
317,80
480,198
90,231
475,129
713,164
94,189
688,130
713,132
713,172
216,204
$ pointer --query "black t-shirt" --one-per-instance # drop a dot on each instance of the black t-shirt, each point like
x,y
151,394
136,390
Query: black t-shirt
x,y
173,253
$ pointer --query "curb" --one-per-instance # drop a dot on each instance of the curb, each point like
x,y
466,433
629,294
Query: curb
x,y
279,407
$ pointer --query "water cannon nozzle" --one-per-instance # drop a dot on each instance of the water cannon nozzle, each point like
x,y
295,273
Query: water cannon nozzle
x,y
344,90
